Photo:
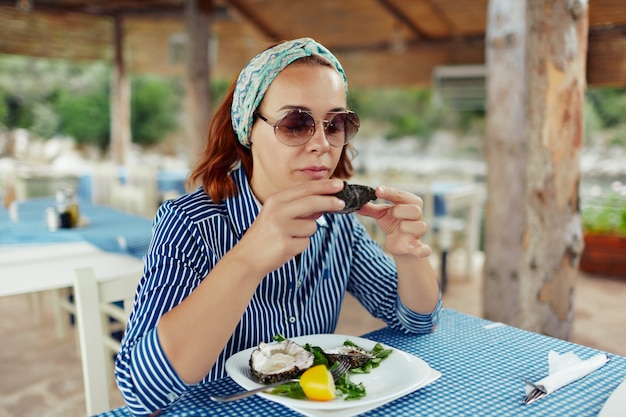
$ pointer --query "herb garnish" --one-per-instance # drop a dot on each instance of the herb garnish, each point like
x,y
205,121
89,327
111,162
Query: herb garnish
x,y
346,388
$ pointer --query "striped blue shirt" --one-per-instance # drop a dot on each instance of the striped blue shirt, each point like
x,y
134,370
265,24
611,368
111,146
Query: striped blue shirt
x,y
192,233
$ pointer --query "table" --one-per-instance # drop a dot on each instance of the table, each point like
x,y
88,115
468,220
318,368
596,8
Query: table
x,y
108,229
33,259
482,364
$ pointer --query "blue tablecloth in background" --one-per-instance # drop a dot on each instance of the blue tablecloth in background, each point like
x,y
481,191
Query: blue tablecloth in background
x,y
109,229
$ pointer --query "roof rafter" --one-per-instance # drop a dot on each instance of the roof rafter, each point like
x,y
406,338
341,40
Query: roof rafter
x,y
436,8
254,20
403,18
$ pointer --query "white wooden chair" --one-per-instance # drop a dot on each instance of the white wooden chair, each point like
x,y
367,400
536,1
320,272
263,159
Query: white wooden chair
x,y
104,177
94,309
144,177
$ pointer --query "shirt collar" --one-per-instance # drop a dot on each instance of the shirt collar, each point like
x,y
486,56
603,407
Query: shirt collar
x,y
244,208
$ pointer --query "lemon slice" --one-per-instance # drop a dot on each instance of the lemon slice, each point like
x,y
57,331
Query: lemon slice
x,y
318,383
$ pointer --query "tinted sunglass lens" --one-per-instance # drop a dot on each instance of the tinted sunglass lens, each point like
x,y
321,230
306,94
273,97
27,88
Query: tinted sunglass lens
x,y
295,128
352,124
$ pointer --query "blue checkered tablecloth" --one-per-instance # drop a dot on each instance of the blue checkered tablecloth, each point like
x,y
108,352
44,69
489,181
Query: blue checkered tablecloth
x,y
482,365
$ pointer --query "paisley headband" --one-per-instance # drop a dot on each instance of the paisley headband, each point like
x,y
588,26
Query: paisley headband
x,y
258,74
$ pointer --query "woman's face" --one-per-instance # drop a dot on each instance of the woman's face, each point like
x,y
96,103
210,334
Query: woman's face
x,y
315,88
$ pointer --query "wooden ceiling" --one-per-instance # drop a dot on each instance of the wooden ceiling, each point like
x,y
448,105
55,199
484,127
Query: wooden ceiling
x,y
380,42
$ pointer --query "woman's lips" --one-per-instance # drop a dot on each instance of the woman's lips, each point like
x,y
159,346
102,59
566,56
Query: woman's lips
x,y
316,173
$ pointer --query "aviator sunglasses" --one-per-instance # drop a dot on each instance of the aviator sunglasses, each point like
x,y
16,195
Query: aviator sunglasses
x,y
297,127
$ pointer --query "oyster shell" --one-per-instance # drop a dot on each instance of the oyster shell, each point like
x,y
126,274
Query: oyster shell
x,y
275,362
355,196
355,356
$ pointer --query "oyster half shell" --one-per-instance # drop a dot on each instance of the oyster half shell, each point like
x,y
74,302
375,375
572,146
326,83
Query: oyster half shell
x,y
355,196
275,362
355,356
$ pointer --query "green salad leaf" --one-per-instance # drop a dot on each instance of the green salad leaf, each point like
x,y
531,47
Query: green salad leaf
x,y
379,353
346,388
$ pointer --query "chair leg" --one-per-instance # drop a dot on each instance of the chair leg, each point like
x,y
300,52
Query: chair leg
x,y
444,270
35,305
62,308
60,326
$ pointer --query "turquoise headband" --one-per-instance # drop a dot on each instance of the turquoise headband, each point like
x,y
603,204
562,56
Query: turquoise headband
x,y
256,77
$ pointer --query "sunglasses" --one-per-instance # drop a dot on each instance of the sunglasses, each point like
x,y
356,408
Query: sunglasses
x,y
297,127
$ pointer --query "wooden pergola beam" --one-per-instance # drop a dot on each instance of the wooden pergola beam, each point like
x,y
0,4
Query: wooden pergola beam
x,y
121,135
252,17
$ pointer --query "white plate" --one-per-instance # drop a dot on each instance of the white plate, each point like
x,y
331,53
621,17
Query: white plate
x,y
615,406
398,375
357,410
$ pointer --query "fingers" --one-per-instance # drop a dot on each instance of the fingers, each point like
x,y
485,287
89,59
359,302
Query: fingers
x,y
287,220
308,200
402,220
397,196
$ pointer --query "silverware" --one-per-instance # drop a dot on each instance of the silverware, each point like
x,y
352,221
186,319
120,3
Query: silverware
x,y
337,372
538,392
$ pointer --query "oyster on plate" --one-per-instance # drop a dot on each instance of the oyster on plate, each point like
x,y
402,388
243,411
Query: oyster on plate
x,y
355,356
275,362
355,196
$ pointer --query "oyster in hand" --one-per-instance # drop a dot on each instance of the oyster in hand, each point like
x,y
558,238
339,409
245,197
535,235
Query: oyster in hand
x,y
355,196
275,362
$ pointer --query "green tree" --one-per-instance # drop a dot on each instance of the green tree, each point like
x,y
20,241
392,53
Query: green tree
x,y
155,105
86,116
401,111
610,105
4,111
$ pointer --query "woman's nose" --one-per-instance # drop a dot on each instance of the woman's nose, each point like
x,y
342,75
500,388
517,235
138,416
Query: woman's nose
x,y
319,138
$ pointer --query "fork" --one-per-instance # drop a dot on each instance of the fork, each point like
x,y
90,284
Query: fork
x,y
337,372
538,392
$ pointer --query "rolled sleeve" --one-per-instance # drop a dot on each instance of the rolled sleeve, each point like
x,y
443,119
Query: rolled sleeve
x,y
419,323
151,383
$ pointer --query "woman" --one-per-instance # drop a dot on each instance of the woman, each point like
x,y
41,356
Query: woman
x,y
258,250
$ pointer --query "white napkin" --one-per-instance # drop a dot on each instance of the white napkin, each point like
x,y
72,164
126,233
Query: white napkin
x,y
567,368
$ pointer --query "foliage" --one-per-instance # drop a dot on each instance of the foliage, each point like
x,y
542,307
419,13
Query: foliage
x,y
610,104
402,112
154,109
85,116
592,122
51,98
605,213
218,91
4,110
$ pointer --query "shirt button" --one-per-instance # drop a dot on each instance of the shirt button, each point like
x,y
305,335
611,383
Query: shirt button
x,y
292,319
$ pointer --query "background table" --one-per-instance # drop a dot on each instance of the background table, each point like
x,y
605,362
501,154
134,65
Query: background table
x,y
34,259
482,365
106,228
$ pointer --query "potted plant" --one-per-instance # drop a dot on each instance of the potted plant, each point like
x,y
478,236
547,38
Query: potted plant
x,y
604,227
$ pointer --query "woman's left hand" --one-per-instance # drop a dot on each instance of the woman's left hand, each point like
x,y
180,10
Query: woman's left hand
x,y
402,220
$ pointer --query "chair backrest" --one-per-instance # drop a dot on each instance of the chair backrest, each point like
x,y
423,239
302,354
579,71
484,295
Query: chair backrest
x,y
104,176
94,309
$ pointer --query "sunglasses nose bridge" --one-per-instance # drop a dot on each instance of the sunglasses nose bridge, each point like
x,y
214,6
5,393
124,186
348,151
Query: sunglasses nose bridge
x,y
323,130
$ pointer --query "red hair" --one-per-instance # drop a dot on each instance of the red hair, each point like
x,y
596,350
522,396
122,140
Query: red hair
x,y
223,151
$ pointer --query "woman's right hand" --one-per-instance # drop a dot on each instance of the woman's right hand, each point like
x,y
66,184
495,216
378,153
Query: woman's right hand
x,y
287,221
